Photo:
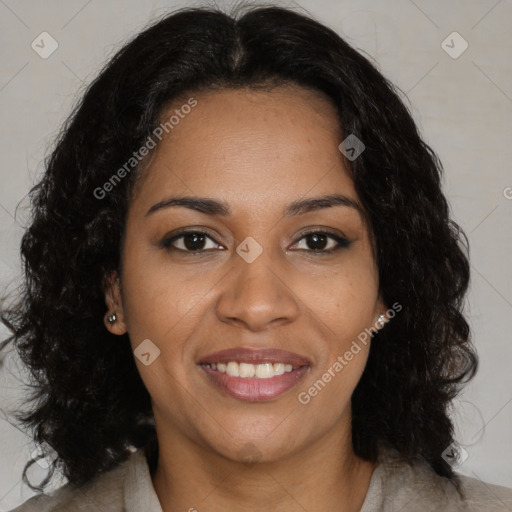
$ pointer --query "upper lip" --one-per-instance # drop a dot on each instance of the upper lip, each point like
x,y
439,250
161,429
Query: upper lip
x,y
255,356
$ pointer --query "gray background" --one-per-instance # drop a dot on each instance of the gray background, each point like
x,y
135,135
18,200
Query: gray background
x,y
463,107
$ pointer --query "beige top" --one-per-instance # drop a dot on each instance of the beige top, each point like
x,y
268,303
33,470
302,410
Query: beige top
x,y
394,486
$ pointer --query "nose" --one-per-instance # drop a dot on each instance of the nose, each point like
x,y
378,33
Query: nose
x,y
257,295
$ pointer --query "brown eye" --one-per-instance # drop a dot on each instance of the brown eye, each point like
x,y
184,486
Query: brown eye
x,y
323,242
190,241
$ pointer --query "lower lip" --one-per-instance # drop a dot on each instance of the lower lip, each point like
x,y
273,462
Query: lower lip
x,y
254,389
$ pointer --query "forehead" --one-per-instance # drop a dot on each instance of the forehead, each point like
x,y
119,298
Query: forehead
x,y
255,146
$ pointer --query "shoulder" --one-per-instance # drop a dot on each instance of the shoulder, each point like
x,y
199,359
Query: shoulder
x,y
417,487
484,496
104,493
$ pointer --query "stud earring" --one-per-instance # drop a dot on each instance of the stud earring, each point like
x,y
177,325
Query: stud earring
x,y
111,319
381,320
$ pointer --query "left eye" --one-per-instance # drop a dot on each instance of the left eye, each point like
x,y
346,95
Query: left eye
x,y
317,241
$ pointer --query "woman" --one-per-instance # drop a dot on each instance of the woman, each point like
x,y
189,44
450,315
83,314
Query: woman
x,y
243,285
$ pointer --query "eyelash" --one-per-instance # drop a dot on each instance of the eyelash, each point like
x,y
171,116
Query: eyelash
x,y
342,242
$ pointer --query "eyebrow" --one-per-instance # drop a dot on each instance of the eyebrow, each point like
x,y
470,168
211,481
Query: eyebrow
x,y
214,207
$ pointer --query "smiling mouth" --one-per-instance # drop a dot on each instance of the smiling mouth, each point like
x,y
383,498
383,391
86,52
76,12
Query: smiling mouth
x,y
254,382
248,370
254,375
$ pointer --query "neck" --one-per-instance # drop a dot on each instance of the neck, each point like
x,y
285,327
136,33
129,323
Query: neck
x,y
325,476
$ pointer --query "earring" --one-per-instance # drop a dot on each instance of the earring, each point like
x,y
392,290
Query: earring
x,y
381,320
112,319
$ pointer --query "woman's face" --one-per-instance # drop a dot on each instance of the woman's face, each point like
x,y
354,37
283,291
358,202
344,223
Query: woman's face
x,y
254,281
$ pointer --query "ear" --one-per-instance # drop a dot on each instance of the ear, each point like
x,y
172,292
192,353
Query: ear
x,y
114,302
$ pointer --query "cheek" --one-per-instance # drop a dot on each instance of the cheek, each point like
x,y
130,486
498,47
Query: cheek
x,y
160,301
345,300
328,393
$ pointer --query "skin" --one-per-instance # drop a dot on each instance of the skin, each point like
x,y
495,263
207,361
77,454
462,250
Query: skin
x,y
258,152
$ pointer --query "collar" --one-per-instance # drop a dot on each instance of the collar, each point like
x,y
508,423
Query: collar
x,y
139,493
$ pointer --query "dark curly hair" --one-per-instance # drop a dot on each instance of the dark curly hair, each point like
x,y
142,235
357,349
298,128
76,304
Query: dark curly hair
x,y
88,402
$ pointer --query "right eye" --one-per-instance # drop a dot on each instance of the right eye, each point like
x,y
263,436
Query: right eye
x,y
189,241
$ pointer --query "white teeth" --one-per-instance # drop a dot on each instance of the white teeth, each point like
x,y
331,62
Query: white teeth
x,y
232,369
278,368
264,371
247,370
